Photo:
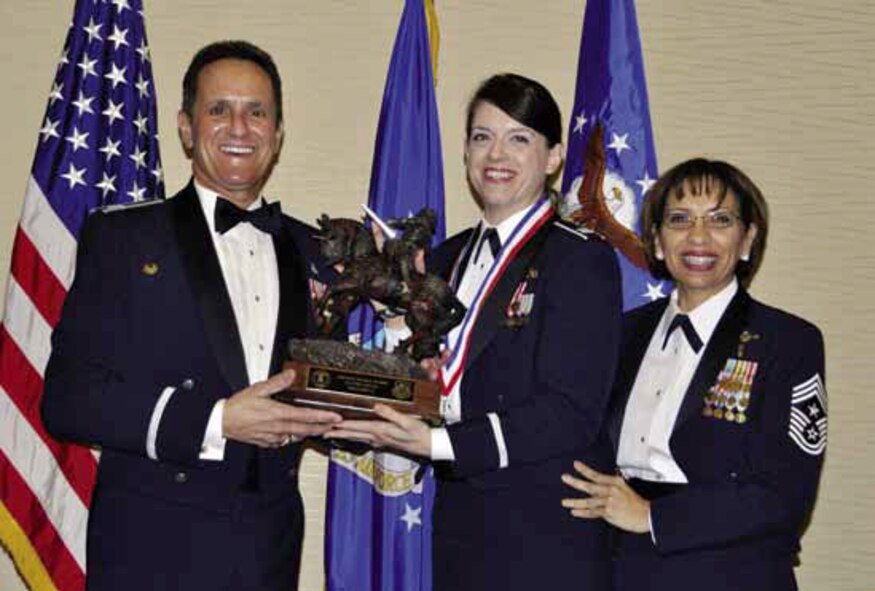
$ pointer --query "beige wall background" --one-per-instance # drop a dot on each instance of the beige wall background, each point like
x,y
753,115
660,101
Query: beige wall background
x,y
782,88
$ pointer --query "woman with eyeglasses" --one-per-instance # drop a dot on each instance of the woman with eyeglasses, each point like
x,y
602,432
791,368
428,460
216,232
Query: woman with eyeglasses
x,y
718,416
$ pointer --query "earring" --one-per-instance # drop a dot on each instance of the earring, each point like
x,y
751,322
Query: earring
x,y
745,257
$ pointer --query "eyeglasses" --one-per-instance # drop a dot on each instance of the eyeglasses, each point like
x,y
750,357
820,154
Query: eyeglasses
x,y
720,219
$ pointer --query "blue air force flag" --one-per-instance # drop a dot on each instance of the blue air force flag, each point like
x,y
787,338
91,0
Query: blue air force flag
x,y
611,90
378,526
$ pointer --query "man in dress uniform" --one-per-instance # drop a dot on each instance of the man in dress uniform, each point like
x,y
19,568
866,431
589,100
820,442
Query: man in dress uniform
x,y
168,352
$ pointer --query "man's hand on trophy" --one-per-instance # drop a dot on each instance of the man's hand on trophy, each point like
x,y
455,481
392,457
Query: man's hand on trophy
x,y
397,431
251,416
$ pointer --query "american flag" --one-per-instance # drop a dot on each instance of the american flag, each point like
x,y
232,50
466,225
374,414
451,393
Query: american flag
x,y
97,145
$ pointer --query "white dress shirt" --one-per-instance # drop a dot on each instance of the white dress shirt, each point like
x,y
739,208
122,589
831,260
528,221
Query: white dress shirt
x,y
659,390
249,267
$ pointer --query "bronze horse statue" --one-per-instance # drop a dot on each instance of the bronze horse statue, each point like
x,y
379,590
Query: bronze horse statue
x,y
390,277
365,273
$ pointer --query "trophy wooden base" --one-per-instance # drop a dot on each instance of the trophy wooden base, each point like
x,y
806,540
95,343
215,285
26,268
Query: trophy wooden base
x,y
351,392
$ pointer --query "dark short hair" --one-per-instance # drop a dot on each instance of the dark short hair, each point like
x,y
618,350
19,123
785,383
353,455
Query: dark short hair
x,y
523,99
238,50
698,176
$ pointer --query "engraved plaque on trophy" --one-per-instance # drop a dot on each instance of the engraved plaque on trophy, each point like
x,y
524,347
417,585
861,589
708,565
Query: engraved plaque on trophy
x,y
341,377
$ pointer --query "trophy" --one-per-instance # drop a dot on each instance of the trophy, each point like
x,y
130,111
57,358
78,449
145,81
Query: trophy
x,y
342,377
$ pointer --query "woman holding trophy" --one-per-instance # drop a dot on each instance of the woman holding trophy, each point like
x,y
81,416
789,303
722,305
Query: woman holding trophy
x,y
527,373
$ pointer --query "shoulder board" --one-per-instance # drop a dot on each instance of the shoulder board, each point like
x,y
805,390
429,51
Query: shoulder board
x,y
579,231
126,206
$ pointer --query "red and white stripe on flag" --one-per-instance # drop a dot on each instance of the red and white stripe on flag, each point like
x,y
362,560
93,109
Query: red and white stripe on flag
x,y
45,486
98,145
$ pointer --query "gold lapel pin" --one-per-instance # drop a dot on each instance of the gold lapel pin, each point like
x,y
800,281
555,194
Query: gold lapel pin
x,y
743,339
150,269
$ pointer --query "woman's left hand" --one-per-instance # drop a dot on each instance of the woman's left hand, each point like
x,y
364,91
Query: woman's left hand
x,y
610,498
399,431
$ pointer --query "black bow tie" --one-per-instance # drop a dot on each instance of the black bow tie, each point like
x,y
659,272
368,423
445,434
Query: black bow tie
x,y
490,236
267,218
683,321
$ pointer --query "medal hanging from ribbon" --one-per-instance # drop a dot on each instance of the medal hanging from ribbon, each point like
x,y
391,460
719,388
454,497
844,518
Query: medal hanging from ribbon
x,y
729,397
531,222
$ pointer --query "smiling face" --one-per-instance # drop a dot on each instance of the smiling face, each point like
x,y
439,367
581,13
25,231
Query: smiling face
x,y
232,135
508,163
702,260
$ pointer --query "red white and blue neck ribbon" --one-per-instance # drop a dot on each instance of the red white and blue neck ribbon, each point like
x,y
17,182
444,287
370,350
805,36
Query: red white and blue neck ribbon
x,y
539,213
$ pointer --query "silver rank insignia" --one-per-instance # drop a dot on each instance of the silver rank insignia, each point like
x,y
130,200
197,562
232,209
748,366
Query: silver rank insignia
x,y
729,398
808,416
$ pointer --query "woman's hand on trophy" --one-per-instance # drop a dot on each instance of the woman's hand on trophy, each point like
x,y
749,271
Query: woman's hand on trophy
x,y
432,365
397,430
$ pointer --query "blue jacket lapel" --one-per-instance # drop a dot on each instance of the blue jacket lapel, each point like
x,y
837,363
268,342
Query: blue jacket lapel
x,y
207,284
493,311
294,319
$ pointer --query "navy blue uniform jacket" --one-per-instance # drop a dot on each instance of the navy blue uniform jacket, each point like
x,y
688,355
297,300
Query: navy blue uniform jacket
x,y
751,485
548,380
149,309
